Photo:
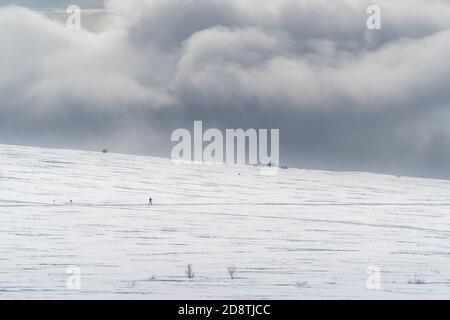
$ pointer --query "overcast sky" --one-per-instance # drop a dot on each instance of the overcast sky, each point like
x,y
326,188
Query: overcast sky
x,y
54,3
343,97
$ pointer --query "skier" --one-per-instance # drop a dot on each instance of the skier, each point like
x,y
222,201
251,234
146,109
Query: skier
x,y
150,201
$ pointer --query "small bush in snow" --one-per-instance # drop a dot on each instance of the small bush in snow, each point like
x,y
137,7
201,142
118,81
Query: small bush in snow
x,y
232,272
416,280
190,271
303,284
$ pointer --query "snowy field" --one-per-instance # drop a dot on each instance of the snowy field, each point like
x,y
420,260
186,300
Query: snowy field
x,y
297,235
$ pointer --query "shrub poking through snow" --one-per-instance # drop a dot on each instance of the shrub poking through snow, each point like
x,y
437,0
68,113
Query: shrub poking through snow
x,y
416,280
302,284
232,272
190,271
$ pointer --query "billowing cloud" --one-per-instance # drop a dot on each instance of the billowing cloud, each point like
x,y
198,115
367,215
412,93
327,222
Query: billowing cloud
x,y
343,96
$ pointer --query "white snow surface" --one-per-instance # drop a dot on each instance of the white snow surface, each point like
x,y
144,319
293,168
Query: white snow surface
x,y
320,229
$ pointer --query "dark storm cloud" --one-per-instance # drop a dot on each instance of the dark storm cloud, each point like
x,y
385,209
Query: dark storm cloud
x,y
54,3
343,97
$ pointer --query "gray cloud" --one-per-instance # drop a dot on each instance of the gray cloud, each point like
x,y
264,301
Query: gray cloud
x,y
343,97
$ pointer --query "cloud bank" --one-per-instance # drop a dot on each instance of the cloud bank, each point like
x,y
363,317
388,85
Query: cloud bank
x,y
343,97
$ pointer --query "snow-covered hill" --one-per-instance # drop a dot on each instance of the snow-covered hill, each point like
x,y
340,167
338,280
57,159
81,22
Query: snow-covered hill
x,y
299,234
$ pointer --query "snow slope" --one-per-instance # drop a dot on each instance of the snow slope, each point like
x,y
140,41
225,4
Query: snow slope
x,y
320,229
